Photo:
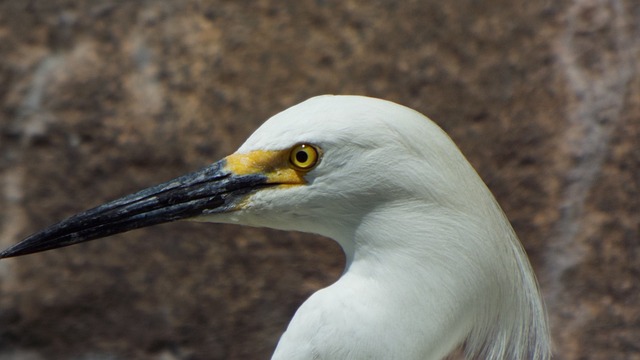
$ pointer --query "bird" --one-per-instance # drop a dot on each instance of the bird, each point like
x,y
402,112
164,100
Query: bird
x,y
432,263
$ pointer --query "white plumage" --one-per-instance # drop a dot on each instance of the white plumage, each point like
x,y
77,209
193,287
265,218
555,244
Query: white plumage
x,y
432,262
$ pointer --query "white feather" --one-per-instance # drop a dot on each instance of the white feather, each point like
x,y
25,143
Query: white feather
x,y
432,262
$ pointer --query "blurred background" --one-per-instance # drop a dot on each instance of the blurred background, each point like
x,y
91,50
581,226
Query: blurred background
x,y
102,98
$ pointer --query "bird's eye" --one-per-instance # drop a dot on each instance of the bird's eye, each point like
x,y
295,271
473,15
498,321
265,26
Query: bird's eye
x,y
303,157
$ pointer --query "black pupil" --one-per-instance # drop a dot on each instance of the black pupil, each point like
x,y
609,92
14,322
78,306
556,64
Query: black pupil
x,y
302,156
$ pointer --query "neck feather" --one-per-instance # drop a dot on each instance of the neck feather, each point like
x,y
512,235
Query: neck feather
x,y
466,276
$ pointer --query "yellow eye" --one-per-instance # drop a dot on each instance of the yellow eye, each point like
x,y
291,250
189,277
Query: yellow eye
x,y
303,157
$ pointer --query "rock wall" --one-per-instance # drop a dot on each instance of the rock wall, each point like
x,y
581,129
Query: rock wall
x,y
101,98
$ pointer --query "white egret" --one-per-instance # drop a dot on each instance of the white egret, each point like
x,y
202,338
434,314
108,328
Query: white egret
x,y
432,263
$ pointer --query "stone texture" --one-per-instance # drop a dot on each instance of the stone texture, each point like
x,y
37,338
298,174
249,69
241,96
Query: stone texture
x,y
101,98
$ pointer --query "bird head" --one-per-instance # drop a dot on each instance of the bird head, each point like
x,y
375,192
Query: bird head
x,y
318,167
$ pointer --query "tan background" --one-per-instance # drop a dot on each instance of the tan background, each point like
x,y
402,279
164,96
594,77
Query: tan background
x,y
101,98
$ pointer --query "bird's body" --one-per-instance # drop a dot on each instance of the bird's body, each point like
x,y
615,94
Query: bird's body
x,y
432,262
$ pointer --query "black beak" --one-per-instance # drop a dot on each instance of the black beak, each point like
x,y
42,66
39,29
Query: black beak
x,y
207,191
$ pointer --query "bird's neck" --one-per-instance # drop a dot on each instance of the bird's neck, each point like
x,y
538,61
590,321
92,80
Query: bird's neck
x,y
450,274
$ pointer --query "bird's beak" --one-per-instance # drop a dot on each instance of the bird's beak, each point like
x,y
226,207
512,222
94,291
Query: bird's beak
x,y
220,187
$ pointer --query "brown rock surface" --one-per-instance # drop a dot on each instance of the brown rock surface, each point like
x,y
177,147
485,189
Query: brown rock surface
x,y
101,98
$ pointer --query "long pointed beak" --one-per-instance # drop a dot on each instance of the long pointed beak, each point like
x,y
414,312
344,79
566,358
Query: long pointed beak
x,y
213,189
